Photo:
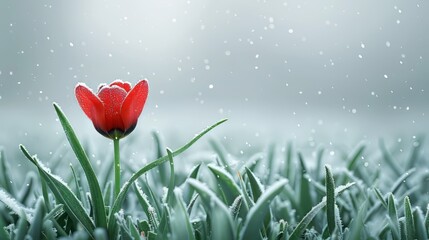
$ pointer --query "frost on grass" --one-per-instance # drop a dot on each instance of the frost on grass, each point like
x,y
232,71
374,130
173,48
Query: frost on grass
x,y
15,206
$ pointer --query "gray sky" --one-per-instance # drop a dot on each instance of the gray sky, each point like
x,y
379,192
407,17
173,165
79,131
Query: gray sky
x,y
291,68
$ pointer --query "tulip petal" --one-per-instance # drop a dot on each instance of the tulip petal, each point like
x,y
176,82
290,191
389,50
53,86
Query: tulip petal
x,y
133,105
112,98
124,85
91,105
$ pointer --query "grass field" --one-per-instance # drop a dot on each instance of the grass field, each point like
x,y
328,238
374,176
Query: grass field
x,y
279,191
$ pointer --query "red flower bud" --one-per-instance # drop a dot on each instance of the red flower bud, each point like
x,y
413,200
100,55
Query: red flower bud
x,y
114,110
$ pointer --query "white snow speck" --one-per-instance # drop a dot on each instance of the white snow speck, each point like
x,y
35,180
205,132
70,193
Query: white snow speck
x,y
290,30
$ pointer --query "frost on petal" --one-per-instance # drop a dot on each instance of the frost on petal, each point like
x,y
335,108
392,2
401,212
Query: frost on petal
x,y
133,105
112,98
91,105
124,85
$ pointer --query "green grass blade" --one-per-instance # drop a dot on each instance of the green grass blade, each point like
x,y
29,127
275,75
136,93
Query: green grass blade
x,y
353,159
15,206
7,181
330,199
248,203
22,226
94,187
409,219
289,158
64,194
302,225
221,152
255,184
225,180
380,197
179,218
305,199
419,224
271,163
358,223
36,225
147,207
26,188
224,227
122,194
394,221
171,184
415,152
427,220
255,217
388,158
3,234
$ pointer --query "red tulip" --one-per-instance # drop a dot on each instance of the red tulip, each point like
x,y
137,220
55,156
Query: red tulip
x,y
114,110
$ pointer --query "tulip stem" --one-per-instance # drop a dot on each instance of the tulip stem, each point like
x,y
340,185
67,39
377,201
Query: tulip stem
x,y
117,167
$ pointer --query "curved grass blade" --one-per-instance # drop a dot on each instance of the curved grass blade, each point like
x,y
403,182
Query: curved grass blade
x,y
3,233
427,219
15,206
394,221
221,152
36,225
224,227
7,181
330,199
358,223
255,217
63,194
419,224
22,226
304,190
147,208
255,185
94,186
225,178
172,180
409,219
26,188
302,225
122,194
179,218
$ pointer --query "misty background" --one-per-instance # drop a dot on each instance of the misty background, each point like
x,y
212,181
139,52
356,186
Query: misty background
x,y
307,71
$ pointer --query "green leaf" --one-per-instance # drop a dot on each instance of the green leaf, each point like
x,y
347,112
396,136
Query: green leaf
x,y
427,219
3,234
179,219
171,184
302,225
255,217
305,199
221,152
353,159
15,206
36,225
330,199
22,226
147,208
388,158
26,188
122,194
225,179
255,184
224,227
419,224
63,194
7,181
409,219
94,187
358,223
380,197
394,221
